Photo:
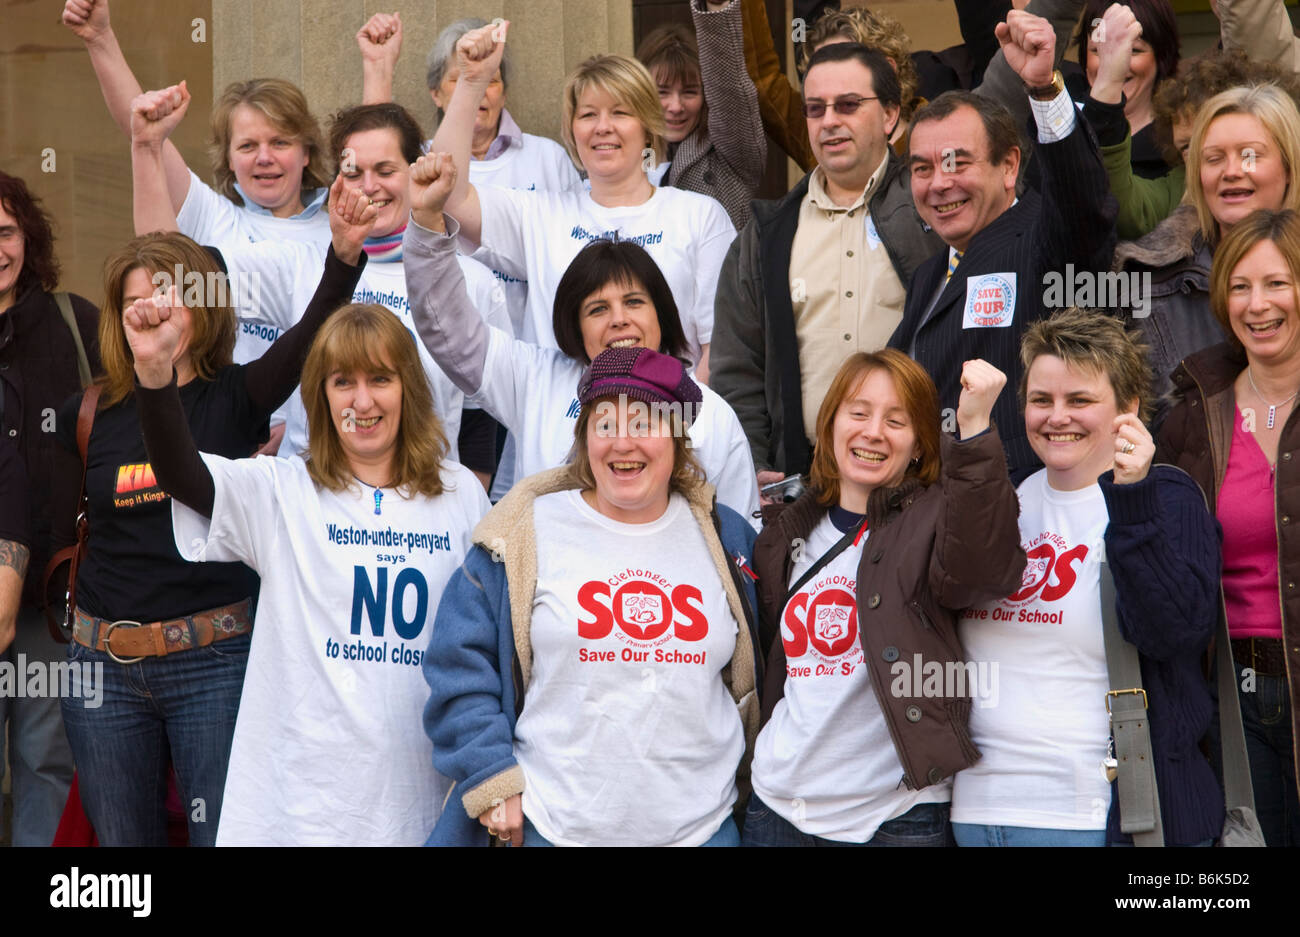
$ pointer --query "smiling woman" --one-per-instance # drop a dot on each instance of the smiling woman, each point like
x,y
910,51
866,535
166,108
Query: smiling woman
x,y
628,728
1098,500
1244,150
310,528
876,491
1243,392
614,127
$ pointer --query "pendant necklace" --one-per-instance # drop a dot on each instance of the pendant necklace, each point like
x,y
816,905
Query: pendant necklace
x,y
379,494
1272,407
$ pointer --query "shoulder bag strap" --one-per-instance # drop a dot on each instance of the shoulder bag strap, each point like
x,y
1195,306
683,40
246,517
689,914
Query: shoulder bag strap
x,y
1139,800
841,545
72,555
64,303
1238,791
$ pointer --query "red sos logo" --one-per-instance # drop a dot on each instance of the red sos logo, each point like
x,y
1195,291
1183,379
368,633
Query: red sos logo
x,y
828,621
642,611
1042,566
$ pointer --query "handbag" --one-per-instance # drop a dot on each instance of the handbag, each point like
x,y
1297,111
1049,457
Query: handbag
x,y
1139,798
60,630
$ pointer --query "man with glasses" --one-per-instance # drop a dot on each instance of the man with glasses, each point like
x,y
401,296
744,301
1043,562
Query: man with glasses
x,y
821,273
975,298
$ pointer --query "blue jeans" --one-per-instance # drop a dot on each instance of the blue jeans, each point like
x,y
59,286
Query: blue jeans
x,y
38,753
923,825
980,834
727,835
181,708
1266,719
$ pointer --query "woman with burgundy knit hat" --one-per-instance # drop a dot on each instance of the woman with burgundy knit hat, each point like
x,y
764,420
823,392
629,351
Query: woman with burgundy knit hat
x,y
593,665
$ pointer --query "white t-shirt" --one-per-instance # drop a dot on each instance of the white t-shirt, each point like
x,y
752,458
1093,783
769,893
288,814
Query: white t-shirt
x,y
825,761
329,747
535,235
533,392
537,163
213,219
628,735
1044,739
285,276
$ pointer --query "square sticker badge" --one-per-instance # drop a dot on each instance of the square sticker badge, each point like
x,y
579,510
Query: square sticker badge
x,y
990,301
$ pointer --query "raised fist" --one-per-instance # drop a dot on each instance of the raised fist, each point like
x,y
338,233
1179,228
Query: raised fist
x,y
88,19
1029,44
155,327
155,114
981,383
479,52
381,38
1134,449
433,177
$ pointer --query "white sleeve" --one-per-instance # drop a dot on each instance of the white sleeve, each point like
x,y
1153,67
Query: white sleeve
x,y
273,281
730,466
209,218
503,215
244,514
513,371
712,246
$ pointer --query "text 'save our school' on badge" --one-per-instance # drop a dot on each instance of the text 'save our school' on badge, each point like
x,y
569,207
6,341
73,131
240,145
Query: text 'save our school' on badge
x,y
990,301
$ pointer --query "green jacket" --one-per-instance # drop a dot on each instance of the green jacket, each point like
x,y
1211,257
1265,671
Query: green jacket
x,y
1143,203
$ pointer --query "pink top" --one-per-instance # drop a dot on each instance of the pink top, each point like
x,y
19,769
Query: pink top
x,y
1248,515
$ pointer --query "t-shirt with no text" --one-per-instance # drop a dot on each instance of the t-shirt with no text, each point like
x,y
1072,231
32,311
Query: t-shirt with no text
x,y
1044,733
628,735
826,761
328,746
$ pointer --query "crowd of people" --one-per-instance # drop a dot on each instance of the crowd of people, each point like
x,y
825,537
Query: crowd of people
x,y
476,488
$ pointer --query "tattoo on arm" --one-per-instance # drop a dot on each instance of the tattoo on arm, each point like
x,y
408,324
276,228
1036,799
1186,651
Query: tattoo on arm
x,y
15,556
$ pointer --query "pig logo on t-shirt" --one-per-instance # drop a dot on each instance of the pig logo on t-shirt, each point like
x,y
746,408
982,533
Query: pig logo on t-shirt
x,y
821,619
640,607
1051,570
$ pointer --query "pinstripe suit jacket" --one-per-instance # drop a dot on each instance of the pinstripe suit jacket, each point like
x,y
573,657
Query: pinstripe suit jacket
x,y
1072,221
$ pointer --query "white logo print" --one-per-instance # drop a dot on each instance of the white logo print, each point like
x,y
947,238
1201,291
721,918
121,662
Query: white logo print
x,y
832,622
644,610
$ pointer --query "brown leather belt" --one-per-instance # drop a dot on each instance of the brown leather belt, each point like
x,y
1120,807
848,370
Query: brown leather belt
x,y
130,641
1265,656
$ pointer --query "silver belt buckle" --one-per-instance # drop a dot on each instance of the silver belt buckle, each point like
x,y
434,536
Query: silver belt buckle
x,y
108,643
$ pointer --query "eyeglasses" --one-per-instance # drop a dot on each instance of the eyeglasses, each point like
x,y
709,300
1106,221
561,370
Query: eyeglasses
x,y
843,106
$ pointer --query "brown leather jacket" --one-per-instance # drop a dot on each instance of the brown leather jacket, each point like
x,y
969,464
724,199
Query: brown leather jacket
x,y
931,552
1197,436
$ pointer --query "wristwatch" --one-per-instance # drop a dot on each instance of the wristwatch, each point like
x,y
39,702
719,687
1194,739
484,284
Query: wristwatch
x,y
1048,92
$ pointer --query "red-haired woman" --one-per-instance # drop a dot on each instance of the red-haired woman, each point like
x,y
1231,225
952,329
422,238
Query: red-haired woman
x,y
862,580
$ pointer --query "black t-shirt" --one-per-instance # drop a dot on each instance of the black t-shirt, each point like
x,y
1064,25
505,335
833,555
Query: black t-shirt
x,y
132,569
13,495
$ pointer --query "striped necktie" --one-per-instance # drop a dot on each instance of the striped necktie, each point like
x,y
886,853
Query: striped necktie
x,y
953,261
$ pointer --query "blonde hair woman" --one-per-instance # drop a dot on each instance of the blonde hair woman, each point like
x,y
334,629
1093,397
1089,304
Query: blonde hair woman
x,y
614,128
1244,150
354,545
